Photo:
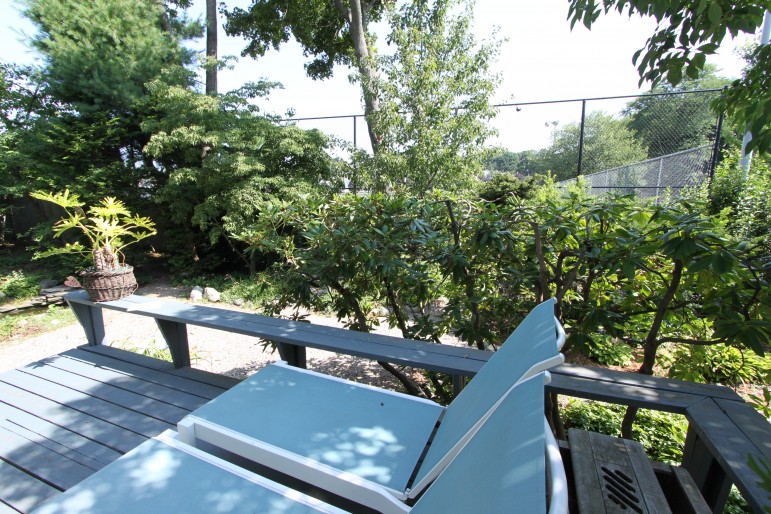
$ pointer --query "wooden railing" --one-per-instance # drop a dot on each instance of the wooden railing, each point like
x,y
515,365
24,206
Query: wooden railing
x,y
723,430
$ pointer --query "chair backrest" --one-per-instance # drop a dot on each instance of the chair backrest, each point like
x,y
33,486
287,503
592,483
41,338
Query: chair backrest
x,y
502,468
533,342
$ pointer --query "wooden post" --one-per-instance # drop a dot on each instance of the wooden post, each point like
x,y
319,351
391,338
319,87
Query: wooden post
x,y
90,318
175,334
293,354
707,473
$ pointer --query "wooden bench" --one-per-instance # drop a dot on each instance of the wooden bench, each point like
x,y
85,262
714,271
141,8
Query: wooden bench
x,y
614,476
724,431
291,337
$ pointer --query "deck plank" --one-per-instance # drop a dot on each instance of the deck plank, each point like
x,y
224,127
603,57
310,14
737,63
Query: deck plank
x,y
54,468
52,445
125,381
141,367
108,392
88,404
65,417
108,434
21,491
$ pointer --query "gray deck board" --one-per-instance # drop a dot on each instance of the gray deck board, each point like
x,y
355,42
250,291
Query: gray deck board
x,y
143,367
165,394
88,404
22,491
65,417
138,403
55,468
55,434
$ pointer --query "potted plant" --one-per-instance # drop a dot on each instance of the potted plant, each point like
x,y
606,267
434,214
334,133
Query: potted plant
x,y
109,228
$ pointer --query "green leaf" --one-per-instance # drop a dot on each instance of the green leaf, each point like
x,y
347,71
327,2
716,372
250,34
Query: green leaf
x,y
715,13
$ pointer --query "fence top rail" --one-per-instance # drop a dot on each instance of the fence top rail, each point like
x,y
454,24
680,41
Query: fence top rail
x,y
539,102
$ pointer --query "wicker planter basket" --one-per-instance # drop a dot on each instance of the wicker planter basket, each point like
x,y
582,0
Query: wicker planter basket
x,y
108,285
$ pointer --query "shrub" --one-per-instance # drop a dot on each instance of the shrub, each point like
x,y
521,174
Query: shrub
x,y
609,353
661,433
19,285
719,364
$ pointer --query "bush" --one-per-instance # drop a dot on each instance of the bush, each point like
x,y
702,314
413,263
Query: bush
x,y
609,353
661,433
19,285
747,201
503,185
717,364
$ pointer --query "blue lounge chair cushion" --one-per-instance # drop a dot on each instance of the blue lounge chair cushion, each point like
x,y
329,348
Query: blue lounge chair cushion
x,y
533,341
156,477
372,433
502,468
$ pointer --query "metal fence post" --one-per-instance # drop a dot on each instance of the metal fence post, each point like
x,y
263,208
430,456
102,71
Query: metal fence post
x,y
581,137
716,148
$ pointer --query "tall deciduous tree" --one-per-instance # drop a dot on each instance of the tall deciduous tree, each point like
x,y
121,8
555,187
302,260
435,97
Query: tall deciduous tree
x,y
687,32
435,95
211,47
674,122
608,143
333,32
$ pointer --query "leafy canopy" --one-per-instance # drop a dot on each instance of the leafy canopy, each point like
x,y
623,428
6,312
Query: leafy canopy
x,y
687,32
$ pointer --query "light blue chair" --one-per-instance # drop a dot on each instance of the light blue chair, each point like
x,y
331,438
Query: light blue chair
x,y
358,441
501,469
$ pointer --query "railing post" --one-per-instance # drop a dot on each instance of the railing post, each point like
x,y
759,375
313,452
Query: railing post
x,y
709,476
90,318
175,334
293,354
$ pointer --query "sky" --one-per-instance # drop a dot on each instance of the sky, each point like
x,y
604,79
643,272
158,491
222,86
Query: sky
x,y
541,59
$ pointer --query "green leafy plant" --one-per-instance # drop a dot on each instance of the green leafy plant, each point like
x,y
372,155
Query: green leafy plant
x,y
720,364
109,228
19,285
763,468
761,401
610,353
661,433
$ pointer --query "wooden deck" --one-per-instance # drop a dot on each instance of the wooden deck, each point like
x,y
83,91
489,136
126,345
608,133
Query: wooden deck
x,y
67,416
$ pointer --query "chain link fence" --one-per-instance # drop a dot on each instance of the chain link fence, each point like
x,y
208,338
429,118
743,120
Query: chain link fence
x,y
653,177
644,144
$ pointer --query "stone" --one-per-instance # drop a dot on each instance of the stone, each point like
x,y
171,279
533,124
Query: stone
x,y
238,302
196,295
57,290
198,288
2,296
211,294
381,311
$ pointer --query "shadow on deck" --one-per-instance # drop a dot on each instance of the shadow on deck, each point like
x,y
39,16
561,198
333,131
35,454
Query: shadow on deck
x,y
67,416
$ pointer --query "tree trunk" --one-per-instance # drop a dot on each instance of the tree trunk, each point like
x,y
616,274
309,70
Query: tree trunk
x,y
651,345
211,47
356,16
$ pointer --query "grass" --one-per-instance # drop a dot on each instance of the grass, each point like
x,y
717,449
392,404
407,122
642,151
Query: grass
x,y
153,349
34,322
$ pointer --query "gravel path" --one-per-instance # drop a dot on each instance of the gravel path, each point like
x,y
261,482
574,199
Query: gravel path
x,y
211,350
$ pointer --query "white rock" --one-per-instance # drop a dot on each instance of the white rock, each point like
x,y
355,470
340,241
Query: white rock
x,y
238,302
198,288
381,312
211,294
196,295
